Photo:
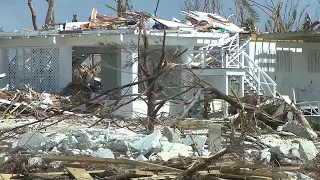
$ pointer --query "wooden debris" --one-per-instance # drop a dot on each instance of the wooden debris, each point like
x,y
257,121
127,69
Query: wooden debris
x,y
51,175
79,173
106,160
217,171
131,174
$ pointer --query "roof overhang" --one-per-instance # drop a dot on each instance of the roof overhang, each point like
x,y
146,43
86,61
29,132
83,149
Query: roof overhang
x,y
45,34
305,36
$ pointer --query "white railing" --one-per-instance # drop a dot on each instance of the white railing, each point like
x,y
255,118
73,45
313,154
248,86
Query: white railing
x,y
234,56
313,105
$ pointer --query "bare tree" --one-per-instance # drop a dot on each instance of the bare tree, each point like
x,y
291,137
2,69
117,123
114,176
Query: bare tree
x,y
210,6
50,13
283,16
159,70
49,17
246,15
33,15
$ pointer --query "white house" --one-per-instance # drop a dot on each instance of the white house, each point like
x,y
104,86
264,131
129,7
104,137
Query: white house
x,y
45,61
292,60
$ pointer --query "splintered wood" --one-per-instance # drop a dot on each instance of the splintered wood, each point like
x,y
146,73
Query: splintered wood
x,y
217,171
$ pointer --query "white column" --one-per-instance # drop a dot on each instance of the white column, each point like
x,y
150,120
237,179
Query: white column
x,y
129,72
226,92
241,84
2,66
186,58
65,65
258,84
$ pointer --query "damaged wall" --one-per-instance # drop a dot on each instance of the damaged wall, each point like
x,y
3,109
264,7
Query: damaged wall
x,y
59,48
292,65
109,70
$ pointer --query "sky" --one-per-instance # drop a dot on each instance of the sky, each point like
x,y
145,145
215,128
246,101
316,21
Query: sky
x,y
15,14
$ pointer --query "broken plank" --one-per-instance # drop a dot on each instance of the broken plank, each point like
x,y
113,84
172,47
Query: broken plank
x,y
130,174
108,160
79,173
8,176
260,172
53,175
162,177
215,173
235,164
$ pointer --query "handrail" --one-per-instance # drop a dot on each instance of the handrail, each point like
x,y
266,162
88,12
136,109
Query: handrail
x,y
309,104
258,67
237,57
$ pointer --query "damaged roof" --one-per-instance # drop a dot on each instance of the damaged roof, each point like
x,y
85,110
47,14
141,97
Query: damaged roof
x,y
308,36
105,25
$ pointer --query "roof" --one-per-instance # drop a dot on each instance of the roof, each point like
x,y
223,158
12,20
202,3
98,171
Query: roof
x,y
198,25
173,33
306,36
45,34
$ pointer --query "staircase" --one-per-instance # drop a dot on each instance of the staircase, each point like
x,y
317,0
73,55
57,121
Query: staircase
x,y
232,55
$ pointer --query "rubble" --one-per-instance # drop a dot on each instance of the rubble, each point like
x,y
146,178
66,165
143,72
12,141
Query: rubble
x,y
34,161
263,133
281,140
307,150
33,141
148,143
103,153
299,130
173,136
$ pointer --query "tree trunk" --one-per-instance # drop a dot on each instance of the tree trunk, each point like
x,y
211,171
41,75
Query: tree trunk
x,y
49,17
151,96
33,15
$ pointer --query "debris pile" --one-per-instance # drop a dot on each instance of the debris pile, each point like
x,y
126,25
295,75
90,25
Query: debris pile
x,y
204,22
278,147
27,102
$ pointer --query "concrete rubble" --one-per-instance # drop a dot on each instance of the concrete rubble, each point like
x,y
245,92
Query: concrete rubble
x,y
299,130
289,143
278,138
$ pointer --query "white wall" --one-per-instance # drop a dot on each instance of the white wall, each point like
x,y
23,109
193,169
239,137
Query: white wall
x,y
289,63
64,44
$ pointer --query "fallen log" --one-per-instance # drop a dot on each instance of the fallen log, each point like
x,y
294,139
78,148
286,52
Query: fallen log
x,y
202,165
262,115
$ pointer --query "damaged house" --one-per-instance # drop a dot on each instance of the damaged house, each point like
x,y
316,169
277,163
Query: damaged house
x,y
292,60
216,49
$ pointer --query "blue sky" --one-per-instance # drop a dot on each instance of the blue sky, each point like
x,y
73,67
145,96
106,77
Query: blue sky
x,y
15,14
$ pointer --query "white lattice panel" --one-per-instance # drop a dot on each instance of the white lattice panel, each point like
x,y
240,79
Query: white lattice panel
x,y
38,67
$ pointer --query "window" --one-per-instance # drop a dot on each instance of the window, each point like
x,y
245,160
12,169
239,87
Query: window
x,y
283,61
266,59
314,61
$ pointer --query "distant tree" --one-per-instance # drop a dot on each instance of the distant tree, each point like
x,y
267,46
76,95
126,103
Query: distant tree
x,y
209,6
49,17
284,16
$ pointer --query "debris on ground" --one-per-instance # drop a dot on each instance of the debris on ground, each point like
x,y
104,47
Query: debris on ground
x,y
265,138
273,148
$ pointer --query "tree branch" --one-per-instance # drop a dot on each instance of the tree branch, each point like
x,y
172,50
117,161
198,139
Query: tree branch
x,y
33,15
